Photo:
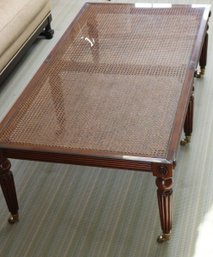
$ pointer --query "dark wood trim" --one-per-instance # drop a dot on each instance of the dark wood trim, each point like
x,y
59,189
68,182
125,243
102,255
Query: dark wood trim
x,y
9,68
180,116
18,149
78,159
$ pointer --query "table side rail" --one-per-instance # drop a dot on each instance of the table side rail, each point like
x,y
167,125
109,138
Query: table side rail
x,y
76,159
187,87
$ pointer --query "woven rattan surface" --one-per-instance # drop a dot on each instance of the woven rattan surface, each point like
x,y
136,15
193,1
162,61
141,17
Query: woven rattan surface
x,y
112,83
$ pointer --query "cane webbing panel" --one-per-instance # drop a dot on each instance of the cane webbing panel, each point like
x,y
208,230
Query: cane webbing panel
x,y
112,83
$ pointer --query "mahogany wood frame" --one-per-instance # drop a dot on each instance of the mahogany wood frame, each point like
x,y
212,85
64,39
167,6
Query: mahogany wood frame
x,y
162,169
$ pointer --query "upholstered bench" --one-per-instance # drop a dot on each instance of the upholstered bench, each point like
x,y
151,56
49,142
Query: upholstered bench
x,y
21,22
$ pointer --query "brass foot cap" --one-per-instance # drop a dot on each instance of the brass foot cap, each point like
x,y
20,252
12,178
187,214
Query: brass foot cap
x,y
202,71
186,140
199,74
13,218
163,238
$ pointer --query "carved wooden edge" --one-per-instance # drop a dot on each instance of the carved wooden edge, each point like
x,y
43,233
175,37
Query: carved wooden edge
x,y
164,173
162,170
5,164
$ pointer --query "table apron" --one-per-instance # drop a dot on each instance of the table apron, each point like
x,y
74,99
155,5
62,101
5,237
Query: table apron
x,y
96,161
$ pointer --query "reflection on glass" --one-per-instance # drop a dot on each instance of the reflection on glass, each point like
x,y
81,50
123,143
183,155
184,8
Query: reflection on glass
x,y
92,38
143,5
167,5
200,6
155,5
58,101
91,41
206,13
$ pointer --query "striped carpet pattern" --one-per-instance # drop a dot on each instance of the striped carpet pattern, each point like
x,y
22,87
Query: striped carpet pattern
x,y
74,211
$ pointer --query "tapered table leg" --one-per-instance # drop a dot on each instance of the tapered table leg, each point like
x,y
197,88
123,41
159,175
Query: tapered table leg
x,y
203,56
8,189
188,125
164,194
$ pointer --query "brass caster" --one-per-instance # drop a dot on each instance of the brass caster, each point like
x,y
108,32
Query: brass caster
x,y
202,71
13,218
185,141
199,74
163,238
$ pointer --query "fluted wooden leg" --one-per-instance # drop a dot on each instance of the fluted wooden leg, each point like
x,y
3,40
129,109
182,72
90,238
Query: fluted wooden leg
x,y
8,188
188,125
164,194
203,56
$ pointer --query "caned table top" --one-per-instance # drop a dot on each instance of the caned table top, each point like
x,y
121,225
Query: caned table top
x,y
117,84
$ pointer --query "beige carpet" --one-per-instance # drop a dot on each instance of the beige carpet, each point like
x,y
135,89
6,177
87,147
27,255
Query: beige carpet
x,y
78,211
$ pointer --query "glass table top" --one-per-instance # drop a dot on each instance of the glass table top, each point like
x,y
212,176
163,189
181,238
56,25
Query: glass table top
x,y
112,84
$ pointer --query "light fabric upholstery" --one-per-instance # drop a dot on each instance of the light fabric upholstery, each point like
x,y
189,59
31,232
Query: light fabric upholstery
x,y
18,21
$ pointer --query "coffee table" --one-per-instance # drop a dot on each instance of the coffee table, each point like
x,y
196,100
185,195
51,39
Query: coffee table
x,y
116,91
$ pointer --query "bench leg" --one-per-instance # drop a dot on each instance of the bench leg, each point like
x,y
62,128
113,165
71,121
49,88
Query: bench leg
x,y
188,125
8,189
48,31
